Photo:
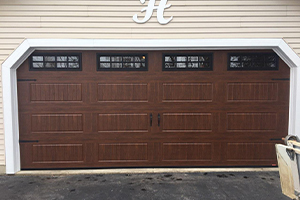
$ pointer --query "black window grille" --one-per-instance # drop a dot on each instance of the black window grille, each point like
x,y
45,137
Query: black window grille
x,y
122,62
55,62
252,61
187,62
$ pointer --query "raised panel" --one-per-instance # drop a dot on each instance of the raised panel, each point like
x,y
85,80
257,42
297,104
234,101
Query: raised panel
x,y
56,92
250,151
187,122
187,92
252,92
56,122
122,152
251,121
53,153
123,122
123,92
187,151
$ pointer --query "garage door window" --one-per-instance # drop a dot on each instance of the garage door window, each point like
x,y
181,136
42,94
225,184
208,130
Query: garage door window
x,y
122,62
262,61
187,62
52,62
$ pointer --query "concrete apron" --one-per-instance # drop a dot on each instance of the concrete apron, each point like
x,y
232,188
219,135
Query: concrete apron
x,y
142,171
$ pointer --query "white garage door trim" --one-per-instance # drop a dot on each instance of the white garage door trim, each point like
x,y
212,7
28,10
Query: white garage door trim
x,y
9,75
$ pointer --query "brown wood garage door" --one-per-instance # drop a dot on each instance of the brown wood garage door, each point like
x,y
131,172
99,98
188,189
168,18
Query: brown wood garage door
x,y
91,119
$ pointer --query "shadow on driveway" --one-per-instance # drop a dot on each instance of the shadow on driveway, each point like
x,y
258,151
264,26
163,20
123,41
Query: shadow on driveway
x,y
202,186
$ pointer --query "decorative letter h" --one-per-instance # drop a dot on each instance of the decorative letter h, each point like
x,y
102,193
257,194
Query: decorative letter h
x,y
149,11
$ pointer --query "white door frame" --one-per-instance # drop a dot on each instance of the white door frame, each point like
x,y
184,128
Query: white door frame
x,y
9,75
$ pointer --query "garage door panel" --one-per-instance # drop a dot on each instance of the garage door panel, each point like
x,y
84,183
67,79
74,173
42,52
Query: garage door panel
x,y
187,122
56,92
284,92
23,93
252,92
251,121
123,152
126,92
127,122
90,118
283,121
187,92
56,123
251,152
24,123
187,151
57,153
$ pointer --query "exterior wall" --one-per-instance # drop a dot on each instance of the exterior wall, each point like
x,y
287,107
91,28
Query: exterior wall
x,y
21,19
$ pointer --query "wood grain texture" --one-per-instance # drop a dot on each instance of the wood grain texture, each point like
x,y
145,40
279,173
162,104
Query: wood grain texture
x,y
251,121
250,151
123,123
56,122
187,151
200,126
123,92
187,122
57,153
187,92
56,92
123,152
252,92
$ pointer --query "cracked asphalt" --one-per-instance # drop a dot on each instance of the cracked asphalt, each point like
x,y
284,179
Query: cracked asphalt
x,y
185,186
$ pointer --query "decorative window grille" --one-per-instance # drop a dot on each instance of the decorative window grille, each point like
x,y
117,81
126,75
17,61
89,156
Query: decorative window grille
x,y
252,61
53,62
122,62
187,62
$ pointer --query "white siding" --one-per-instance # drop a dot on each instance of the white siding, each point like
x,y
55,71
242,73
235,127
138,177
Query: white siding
x,y
20,19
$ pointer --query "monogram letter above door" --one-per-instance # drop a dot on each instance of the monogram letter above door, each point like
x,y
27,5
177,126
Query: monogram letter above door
x,y
149,11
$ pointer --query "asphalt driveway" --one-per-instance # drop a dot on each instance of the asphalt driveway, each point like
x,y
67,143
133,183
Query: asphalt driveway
x,y
210,186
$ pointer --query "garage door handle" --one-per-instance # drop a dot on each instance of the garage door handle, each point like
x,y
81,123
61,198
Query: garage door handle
x,y
151,119
158,117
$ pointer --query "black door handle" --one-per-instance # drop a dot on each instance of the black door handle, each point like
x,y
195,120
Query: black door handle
x,y
158,117
151,119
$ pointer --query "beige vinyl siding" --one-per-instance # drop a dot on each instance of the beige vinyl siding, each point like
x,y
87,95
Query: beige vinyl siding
x,y
21,19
